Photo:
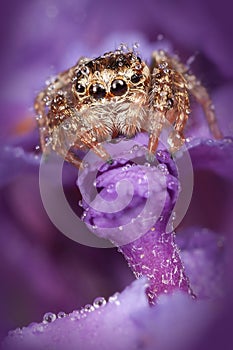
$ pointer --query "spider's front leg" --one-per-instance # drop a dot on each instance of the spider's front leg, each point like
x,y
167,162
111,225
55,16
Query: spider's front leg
x,y
203,98
71,136
201,95
169,103
51,108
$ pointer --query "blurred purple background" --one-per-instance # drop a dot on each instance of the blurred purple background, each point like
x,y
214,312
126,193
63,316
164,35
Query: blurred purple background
x,y
41,269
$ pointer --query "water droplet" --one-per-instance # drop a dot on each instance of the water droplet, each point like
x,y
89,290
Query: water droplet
x,y
136,45
135,148
171,185
123,47
48,140
89,308
146,194
209,142
61,314
120,228
49,317
227,140
163,168
82,313
83,216
147,164
39,116
75,317
163,65
99,302
113,298
85,165
80,203
110,188
66,125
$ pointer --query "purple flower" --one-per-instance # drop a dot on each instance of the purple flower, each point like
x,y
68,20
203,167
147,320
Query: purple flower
x,y
41,269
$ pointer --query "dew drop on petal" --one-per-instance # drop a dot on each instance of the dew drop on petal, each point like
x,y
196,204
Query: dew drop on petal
x,y
135,148
49,317
209,142
113,298
61,314
89,308
99,302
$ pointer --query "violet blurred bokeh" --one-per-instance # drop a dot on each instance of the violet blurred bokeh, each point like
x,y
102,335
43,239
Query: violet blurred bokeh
x,y
41,269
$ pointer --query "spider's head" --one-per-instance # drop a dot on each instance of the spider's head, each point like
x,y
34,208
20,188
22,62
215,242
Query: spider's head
x,y
115,76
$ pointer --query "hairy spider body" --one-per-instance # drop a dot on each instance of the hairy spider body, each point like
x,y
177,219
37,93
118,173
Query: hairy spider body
x,y
118,94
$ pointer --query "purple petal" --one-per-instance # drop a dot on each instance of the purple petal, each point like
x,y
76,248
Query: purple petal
x,y
124,322
204,256
114,324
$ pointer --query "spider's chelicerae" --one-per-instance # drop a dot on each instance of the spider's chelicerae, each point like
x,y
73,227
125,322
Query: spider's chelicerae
x,y
118,94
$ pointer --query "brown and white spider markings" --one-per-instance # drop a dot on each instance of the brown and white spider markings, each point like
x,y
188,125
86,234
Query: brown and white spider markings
x,y
118,94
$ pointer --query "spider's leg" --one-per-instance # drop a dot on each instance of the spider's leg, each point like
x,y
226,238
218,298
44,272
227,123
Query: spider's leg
x,y
74,160
176,138
202,97
42,105
169,97
41,117
156,123
91,142
70,157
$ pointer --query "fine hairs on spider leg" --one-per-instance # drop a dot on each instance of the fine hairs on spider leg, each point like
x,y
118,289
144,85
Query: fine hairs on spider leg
x,y
118,94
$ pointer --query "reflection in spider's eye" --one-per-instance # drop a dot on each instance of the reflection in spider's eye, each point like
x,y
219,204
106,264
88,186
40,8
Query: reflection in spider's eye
x,y
118,87
97,91
80,88
136,78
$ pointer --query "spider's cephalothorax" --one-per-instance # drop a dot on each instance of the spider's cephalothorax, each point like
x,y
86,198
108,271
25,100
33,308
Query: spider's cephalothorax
x,y
118,94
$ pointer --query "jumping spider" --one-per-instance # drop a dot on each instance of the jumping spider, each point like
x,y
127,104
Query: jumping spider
x,y
118,94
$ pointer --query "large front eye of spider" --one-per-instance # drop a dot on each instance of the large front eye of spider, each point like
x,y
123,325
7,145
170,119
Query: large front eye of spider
x,y
97,91
119,87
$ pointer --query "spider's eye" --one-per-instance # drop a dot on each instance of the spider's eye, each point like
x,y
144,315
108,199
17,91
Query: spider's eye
x,y
97,91
118,87
80,88
136,78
